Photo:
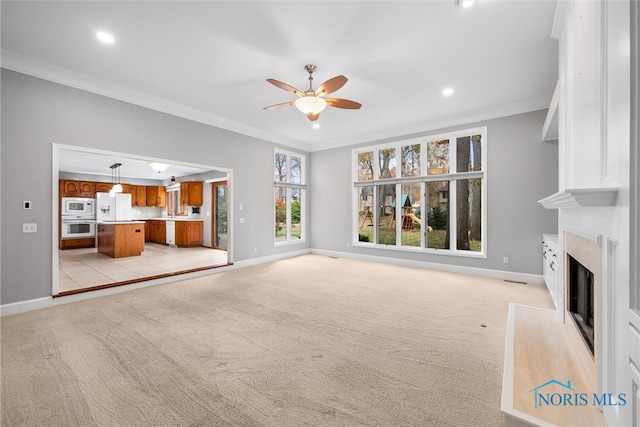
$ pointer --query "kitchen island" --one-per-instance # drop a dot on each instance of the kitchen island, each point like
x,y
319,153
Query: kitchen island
x,y
120,239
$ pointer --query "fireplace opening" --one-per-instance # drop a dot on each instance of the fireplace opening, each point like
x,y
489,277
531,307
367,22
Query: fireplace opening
x,y
581,299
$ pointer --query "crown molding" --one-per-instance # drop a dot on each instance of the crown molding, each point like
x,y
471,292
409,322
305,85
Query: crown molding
x,y
581,197
418,129
32,67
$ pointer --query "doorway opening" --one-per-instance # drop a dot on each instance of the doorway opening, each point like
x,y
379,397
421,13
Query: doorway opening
x,y
86,269
219,226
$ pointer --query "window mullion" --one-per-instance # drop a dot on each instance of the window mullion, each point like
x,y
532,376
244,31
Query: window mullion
x,y
398,214
424,229
288,215
453,222
429,203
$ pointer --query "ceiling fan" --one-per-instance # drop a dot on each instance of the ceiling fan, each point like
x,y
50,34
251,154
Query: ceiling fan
x,y
312,102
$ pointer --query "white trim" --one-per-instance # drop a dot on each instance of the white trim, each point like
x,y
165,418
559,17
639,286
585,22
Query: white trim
x,y
550,127
450,268
581,197
55,233
563,7
32,67
452,177
289,186
55,154
411,130
46,302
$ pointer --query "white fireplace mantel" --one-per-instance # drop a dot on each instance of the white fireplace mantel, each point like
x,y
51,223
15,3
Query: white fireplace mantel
x,y
581,197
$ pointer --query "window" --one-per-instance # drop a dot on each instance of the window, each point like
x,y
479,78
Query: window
x,y
289,197
425,194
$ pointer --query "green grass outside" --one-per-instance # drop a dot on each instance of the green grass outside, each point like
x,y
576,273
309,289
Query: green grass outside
x,y
435,239
295,231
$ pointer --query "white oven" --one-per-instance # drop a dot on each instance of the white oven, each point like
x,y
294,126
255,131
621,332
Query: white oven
x,y
78,228
78,206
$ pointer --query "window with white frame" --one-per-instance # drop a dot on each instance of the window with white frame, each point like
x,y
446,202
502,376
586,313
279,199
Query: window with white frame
x,y
289,197
426,194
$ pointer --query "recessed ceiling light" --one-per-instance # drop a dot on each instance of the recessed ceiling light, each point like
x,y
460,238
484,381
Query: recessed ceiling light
x,y
105,37
315,125
464,3
447,91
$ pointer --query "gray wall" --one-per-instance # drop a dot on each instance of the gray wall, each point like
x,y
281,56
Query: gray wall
x,y
37,113
521,170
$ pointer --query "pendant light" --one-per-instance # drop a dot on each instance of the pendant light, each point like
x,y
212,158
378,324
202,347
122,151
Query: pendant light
x,y
115,179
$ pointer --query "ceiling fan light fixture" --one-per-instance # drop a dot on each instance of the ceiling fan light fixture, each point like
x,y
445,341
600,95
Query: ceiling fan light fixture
x,y
311,104
105,37
158,167
464,3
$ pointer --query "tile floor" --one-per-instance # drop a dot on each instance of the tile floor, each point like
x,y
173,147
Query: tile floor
x,y
85,268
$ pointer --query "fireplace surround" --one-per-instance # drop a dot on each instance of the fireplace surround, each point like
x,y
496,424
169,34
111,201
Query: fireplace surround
x,y
580,285
580,303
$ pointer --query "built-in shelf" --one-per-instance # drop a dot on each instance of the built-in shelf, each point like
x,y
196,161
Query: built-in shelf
x,y
550,127
581,197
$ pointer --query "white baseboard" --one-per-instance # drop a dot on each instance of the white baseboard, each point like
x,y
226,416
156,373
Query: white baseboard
x,y
270,258
35,304
46,302
22,306
451,268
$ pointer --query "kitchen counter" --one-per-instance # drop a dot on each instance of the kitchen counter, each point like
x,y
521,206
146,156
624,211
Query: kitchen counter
x,y
120,239
170,219
120,222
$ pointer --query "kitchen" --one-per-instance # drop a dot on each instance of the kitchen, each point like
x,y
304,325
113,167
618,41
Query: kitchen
x,y
142,221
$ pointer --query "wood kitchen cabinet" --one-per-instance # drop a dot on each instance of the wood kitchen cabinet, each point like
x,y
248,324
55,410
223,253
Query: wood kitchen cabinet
x,y
191,193
157,231
189,233
121,240
103,187
70,188
156,196
88,242
138,195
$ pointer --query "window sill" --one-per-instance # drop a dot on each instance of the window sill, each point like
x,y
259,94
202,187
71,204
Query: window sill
x,y
413,249
289,243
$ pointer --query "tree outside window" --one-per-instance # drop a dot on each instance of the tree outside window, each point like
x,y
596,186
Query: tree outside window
x,y
289,197
424,193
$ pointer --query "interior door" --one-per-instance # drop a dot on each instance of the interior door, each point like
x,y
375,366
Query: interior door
x,y
219,234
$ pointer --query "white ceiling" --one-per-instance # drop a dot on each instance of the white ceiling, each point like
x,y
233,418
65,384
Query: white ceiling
x,y
208,60
92,163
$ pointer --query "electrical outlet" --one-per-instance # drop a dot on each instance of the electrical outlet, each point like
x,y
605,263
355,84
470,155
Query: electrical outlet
x,y
29,227
505,260
241,220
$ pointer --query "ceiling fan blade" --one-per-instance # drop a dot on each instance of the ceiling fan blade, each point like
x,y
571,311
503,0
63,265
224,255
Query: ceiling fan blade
x,y
285,86
343,103
331,85
284,104
313,117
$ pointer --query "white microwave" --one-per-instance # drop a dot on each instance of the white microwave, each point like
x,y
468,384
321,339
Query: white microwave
x,y
78,206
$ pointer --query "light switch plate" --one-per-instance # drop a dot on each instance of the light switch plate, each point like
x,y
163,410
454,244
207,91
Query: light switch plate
x,y
26,205
29,227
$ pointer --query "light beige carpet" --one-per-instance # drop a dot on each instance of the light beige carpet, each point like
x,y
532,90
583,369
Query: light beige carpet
x,y
307,341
